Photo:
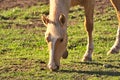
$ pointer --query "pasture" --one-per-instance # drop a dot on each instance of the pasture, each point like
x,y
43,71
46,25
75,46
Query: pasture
x,y
24,52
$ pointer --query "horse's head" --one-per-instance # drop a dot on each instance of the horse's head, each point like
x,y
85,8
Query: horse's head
x,y
56,38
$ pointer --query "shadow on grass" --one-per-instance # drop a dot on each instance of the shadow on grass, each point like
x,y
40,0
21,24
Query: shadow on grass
x,y
111,60
99,64
108,73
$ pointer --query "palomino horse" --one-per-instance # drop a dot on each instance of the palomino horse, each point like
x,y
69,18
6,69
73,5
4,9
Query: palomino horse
x,y
56,34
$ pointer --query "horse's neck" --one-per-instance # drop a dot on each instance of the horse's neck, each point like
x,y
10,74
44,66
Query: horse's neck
x,y
58,7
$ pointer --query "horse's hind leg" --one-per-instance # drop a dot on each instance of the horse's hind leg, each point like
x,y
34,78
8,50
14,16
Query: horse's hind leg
x,y
116,47
89,10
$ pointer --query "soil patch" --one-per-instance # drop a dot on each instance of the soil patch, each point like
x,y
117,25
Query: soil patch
x,y
100,6
6,4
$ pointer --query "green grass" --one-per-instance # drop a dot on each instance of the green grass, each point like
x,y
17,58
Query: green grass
x,y
24,53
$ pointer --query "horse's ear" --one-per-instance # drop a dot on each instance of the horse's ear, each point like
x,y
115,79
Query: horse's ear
x,y
62,19
45,20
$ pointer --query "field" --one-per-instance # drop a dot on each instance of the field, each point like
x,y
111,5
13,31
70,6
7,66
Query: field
x,y
24,52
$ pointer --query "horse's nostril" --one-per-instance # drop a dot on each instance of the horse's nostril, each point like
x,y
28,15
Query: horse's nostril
x,y
57,68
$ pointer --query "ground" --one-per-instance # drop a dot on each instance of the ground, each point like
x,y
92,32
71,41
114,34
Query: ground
x,y
7,4
24,52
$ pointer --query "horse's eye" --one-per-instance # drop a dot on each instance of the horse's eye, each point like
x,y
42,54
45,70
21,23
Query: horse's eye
x,y
48,39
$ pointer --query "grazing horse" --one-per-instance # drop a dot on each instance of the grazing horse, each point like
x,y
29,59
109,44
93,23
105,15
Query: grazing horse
x,y
56,33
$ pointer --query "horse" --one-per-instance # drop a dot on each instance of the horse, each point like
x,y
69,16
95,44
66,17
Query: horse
x,y
56,33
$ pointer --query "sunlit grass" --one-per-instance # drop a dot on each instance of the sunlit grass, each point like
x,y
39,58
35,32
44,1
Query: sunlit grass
x,y
24,53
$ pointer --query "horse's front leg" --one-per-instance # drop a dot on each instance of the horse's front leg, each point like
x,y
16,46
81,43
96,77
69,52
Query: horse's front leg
x,y
116,47
89,10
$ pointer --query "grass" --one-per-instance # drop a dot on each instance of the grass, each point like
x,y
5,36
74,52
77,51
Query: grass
x,y
24,53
